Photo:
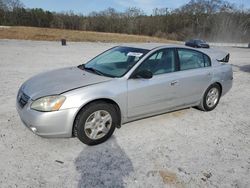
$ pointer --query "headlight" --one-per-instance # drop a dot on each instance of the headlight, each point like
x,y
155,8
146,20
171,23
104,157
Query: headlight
x,y
49,103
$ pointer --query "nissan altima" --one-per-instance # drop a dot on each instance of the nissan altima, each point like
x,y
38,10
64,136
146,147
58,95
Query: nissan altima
x,y
122,84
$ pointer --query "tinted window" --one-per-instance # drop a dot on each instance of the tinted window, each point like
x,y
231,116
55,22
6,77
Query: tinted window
x,y
190,59
162,61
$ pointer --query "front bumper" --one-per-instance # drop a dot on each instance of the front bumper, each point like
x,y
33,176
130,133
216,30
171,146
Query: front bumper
x,y
48,124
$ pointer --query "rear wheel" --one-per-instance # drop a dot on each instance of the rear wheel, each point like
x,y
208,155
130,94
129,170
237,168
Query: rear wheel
x,y
95,123
211,98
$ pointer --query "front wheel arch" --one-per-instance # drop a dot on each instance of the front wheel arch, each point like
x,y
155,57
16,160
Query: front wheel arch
x,y
109,101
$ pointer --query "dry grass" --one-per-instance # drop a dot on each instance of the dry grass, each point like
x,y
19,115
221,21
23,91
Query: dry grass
x,y
48,34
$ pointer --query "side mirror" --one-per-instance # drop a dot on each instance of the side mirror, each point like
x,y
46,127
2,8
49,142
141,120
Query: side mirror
x,y
146,74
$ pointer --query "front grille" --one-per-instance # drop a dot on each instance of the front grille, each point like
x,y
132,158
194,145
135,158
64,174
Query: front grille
x,y
22,99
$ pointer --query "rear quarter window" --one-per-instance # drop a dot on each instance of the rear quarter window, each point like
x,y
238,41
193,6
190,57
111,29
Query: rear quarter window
x,y
207,61
190,59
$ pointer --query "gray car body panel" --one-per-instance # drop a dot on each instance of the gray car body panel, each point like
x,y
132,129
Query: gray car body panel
x,y
136,98
58,81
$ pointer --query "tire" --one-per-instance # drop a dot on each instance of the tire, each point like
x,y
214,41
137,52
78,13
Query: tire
x,y
208,105
93,119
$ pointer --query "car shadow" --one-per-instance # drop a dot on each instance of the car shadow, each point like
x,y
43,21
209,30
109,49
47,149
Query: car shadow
x,y
244,68
104,165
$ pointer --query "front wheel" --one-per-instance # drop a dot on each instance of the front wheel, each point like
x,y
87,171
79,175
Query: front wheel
x,y
211,98
95,123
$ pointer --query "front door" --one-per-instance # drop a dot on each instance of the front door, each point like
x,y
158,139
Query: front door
x,y
146,96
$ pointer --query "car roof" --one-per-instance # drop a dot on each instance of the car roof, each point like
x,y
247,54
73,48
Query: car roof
x,y
152,46
212,53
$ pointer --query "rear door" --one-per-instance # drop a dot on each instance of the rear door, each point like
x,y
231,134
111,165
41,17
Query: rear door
x,y
194,76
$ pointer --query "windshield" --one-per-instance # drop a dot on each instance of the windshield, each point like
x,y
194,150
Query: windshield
x,y
115,62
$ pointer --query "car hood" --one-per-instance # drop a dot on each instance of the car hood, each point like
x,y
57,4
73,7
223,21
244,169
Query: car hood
x,y
58,81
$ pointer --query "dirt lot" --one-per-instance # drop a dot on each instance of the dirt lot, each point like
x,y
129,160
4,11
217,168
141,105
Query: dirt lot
x,y
187,148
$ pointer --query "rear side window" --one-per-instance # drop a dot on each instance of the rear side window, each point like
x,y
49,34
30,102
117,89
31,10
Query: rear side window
x,y
190,59
207,61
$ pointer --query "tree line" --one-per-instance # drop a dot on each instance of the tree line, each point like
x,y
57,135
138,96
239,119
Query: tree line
x,y
213,20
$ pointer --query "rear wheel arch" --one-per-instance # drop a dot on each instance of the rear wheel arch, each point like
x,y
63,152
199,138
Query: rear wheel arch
x,y
105,100
201,105
219,84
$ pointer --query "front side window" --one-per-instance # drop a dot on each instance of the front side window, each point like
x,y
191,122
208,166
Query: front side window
x,y
116,61
160,62
190,59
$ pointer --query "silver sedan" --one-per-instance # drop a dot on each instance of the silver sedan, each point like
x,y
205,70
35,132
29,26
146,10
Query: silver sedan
x,y
121,85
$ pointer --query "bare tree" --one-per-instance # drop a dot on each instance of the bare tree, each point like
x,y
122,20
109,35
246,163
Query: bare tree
x,y
13,4
207,19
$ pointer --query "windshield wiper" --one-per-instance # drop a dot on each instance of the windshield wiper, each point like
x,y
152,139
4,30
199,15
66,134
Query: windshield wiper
x,y
83,67
92,70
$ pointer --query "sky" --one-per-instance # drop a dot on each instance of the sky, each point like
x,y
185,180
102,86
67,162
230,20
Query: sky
x,y
87,6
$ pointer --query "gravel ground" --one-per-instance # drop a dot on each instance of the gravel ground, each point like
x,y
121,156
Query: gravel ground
x,y
186,148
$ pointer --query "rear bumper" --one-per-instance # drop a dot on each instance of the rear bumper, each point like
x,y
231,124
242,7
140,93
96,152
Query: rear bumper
x,y
48,124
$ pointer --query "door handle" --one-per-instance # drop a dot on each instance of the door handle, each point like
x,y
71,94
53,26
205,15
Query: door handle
x,y
174,82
